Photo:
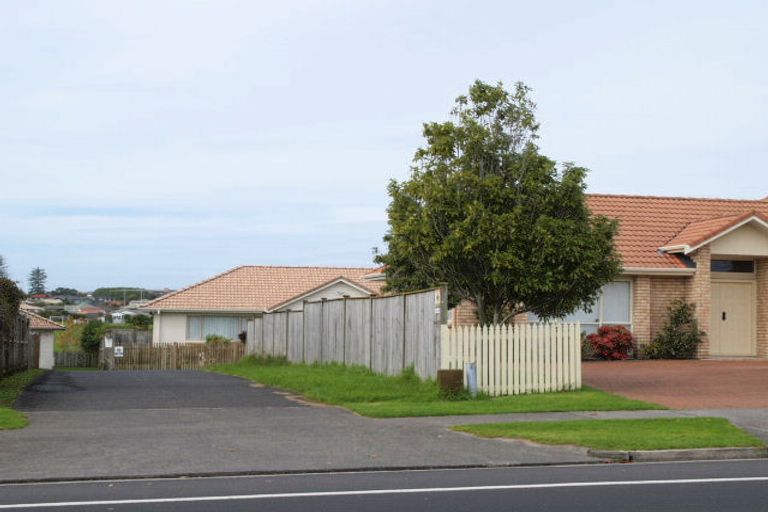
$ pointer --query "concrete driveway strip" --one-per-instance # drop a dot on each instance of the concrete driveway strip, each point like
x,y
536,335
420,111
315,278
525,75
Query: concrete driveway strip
x,y
124,424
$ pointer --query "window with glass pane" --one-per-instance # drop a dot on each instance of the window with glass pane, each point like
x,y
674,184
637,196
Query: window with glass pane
x,y
736,266
199,327
617,303
614,307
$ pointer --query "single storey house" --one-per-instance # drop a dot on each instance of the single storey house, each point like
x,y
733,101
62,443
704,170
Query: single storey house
x,y
42,331
712,253
223,304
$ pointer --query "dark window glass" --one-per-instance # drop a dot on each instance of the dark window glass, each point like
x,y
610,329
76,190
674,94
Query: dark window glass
x,y
741,266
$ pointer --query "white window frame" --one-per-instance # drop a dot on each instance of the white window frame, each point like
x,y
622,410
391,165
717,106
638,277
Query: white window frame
x,y
601,321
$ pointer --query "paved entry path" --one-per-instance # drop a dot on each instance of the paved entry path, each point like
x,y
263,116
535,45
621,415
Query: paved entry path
x,y
698,384
155,423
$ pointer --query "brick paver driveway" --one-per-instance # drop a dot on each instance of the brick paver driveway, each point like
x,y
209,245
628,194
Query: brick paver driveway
x,y
709,384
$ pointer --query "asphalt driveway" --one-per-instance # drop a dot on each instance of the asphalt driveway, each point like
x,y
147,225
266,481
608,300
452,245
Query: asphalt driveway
x,y
697,384
154,423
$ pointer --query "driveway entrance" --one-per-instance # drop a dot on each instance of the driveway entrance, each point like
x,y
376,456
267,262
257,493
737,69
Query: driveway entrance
x,y
697,384
161,423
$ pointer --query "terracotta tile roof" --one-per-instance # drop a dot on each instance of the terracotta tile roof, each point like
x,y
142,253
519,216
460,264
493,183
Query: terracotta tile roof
x,y
40,323
647,223
698,232
259,288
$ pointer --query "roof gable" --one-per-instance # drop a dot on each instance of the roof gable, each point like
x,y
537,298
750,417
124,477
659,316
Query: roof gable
x,y
648,223
699,233
251,289
40,323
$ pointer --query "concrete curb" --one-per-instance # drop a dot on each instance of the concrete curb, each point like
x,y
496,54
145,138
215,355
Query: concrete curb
x,y
677,455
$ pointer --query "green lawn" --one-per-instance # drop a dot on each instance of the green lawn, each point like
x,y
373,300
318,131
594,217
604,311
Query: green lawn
x,y
380,396
649,434
10,388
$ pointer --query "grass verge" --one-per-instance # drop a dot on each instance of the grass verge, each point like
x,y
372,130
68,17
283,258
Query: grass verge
x,y
647,434
10,388
380,396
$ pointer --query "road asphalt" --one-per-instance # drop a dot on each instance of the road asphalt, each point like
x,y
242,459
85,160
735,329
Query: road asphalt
x,y
126,424
701,486
142,424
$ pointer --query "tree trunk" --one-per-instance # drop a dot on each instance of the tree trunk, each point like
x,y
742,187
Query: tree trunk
x,y
480,302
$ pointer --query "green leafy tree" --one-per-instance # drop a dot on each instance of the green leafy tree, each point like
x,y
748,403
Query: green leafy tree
x,y
37,278
10,299
501,224
91,337
65,291
3,267
139,321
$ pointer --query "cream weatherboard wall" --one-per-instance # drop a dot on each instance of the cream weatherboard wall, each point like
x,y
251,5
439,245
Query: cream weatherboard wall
x,y
46,361
745,241
170,328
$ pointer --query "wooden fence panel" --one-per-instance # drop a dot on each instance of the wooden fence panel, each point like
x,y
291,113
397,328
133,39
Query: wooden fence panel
x,y
268,334
422,346
512,360
333,331
295,352
386,334
313,332
280,336
357,332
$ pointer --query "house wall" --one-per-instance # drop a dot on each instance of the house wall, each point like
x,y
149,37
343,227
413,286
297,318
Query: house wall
x,y
745,241
465,313
46,350
335,291
699,293
665,290
170,328
762,307
641,309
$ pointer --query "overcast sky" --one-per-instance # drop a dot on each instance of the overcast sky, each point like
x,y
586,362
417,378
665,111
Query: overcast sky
x,y
155,143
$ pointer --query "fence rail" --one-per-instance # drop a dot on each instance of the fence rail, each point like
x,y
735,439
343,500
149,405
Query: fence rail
x,y
385,334
176,356
515,360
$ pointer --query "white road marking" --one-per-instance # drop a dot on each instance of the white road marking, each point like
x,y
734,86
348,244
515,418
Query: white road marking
x,y
370,492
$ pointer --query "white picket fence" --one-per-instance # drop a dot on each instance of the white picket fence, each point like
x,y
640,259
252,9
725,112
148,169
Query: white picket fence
x,y
516,360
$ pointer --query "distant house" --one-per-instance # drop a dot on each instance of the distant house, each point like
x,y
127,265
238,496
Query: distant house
x,y
223,304
120,316
42,331
86,310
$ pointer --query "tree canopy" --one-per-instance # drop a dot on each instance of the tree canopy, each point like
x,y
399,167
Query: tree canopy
x,y
503,225
37,278
3,267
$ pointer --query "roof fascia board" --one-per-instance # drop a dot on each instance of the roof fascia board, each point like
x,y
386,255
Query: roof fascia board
x,y
204,311
642,271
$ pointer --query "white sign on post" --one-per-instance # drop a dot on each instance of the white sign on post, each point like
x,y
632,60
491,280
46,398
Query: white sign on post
x,y
107,342
118,351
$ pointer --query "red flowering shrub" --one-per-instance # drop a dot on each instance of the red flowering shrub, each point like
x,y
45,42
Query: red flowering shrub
x,y
612,342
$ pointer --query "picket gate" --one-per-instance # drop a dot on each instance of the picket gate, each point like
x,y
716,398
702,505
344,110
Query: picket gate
x,y
516,359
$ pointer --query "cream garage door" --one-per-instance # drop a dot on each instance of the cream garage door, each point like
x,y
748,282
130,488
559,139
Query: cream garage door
x,y
733,319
